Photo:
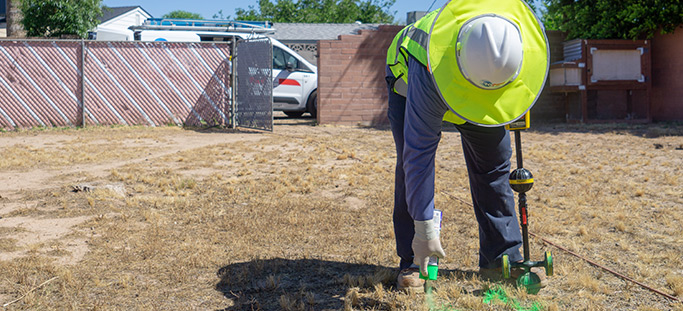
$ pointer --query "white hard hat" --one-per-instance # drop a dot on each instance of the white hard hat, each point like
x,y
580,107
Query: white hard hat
x,y
489,51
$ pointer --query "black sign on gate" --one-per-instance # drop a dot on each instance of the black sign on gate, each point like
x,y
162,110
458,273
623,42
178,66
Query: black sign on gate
x,y
253,62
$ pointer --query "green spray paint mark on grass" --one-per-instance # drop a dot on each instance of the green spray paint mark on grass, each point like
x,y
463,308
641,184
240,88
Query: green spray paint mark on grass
x,y
498,294
493,295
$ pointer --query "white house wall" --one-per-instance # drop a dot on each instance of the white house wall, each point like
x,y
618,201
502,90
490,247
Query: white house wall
x,y
116,29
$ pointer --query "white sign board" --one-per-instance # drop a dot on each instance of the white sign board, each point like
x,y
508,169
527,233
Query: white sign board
x,y
615,65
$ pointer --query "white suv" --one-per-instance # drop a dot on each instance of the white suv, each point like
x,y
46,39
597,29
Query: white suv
x,y
295,80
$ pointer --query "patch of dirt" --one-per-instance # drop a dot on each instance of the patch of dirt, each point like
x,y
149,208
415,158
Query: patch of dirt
x,y
36,231
354,203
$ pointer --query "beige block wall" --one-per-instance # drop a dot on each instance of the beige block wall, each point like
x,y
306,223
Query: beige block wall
x,y
351,85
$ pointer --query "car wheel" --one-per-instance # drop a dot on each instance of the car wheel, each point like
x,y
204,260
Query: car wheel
x,y
294,114
312,104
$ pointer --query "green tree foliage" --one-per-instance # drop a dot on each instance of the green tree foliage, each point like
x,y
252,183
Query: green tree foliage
x,y
319,11
219,15
609,19
54,18
182,15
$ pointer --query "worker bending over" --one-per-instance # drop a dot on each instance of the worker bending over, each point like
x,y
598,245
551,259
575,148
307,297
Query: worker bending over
x,y
479,65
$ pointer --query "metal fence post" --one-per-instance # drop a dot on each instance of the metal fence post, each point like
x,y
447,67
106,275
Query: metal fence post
x,y
233,89
81,84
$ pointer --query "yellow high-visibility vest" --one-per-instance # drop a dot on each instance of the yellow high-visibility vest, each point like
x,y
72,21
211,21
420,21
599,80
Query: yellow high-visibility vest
x,y
397,60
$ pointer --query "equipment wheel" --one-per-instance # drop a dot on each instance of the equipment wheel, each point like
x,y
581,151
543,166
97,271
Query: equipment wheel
x,y
506,266
548,263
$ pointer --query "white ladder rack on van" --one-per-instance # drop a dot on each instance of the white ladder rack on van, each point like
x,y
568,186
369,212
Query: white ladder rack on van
x,y
205,25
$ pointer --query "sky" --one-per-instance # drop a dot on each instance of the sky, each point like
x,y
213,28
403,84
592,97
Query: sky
x,y
207,8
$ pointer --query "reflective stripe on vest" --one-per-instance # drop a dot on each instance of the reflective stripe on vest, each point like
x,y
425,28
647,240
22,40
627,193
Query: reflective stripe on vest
x,y
417,44
417,40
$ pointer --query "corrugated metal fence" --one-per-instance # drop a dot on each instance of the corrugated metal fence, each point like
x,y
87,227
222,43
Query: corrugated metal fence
x,y
71,83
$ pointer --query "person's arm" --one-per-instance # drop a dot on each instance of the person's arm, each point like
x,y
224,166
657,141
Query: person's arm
x,y
422,133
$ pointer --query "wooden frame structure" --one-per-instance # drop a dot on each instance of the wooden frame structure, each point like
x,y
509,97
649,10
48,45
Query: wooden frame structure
x,y
604,80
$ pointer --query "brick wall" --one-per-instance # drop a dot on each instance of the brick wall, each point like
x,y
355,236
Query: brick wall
x,y
351,86
667,76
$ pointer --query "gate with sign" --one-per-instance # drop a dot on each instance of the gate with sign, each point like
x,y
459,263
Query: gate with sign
x,y
253,105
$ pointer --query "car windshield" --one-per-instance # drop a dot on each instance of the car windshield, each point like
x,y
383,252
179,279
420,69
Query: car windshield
x,y
281,58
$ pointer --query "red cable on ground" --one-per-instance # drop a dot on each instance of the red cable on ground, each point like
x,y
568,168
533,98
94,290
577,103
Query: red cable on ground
x,y
617,274
605,268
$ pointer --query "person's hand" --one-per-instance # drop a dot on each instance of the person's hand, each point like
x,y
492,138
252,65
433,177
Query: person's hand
x,y
426,243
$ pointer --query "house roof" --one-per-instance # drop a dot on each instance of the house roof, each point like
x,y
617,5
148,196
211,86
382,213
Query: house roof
x,y
301,31
112,12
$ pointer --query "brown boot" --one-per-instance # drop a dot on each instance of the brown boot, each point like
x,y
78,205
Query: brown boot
x,y
409,279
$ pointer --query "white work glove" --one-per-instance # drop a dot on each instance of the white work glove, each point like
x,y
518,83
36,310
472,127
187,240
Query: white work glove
x,y
426,243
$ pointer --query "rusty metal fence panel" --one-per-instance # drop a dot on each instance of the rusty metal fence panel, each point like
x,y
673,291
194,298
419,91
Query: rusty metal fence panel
x,y
70,83
37,86
254,81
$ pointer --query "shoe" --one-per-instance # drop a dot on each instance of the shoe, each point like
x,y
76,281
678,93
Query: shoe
x,y
409,279
496,274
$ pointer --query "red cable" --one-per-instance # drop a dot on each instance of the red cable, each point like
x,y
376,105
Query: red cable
x,y
605,268
585,259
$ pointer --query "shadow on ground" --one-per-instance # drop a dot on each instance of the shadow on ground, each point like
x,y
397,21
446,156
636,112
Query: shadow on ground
x,y
274,284
279,118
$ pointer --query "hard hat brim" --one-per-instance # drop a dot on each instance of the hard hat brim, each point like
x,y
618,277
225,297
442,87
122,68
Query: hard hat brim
x,y
469,102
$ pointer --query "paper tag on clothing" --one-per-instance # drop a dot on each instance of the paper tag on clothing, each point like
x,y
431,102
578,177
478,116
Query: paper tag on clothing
x,y
438,216
437,220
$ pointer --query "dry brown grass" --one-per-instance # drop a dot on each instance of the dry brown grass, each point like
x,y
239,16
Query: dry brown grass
x,y
300,219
